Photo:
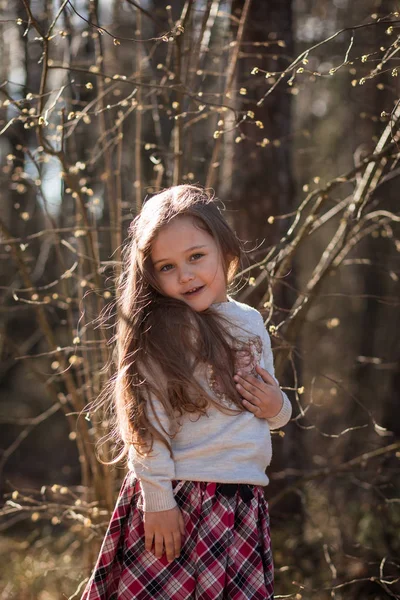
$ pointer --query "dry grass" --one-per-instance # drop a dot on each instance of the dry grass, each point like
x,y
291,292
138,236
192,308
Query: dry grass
x,y
42,565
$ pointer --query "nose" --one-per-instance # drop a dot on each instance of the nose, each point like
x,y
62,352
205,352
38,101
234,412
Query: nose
x,y
185,275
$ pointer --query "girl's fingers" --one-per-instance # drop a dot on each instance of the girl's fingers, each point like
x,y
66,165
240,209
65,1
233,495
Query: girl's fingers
x,y
177,543
267,377
248,392
250,384
158,545
148,540
251,407
181,525
169,544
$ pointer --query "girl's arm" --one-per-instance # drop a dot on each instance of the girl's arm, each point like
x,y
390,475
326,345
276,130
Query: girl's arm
x,y
262,395
155,470
283,416
164,528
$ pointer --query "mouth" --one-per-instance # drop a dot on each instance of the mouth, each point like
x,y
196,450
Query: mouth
x,y
193,291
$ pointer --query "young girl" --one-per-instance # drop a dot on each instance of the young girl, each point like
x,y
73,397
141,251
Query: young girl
x,y
195,399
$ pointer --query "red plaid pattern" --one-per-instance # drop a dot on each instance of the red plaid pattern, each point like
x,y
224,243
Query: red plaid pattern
x,y
226,554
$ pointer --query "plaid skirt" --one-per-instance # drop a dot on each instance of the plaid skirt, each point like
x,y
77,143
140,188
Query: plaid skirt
x,y
225,555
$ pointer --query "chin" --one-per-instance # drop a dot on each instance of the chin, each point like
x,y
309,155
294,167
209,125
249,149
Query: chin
x,y
199,306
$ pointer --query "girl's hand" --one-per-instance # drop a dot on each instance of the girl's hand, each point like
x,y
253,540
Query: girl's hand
x,y
166,528
263,398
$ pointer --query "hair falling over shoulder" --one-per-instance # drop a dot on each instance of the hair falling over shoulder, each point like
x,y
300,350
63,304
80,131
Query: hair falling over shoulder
x,y
149,322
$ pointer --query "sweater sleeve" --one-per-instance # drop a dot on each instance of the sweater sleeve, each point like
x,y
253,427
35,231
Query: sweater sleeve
x,y
155,470
283,416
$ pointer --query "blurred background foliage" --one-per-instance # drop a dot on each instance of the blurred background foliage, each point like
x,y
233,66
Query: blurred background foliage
x,y
289,110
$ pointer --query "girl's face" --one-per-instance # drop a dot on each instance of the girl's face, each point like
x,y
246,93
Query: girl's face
x,y
188,264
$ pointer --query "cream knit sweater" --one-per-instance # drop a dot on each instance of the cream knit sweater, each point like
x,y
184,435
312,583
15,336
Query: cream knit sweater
x,y
215,447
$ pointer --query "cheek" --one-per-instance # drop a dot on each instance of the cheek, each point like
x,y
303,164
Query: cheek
x,y
222,275
160,281
167,284
216,270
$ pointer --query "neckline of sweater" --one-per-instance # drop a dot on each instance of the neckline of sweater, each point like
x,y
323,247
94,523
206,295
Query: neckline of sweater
x,y
228,304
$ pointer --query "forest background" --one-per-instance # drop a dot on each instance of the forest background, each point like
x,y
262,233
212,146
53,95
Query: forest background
x,y
289,111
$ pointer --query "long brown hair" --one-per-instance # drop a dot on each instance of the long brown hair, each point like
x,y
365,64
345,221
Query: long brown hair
x,y
149,322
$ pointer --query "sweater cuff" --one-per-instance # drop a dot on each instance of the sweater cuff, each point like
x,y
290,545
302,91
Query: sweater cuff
x,y
157,501
283,415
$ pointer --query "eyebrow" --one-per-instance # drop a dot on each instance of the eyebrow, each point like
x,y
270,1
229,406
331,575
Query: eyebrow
x,y
187,250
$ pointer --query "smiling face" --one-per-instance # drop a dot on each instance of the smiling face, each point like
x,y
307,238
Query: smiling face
x,y
188,264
